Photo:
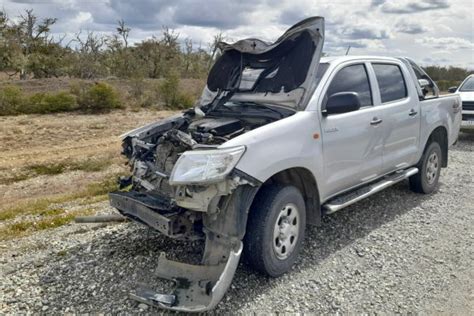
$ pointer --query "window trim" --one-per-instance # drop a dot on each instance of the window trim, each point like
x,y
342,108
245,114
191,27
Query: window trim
x,y
335,72
407,94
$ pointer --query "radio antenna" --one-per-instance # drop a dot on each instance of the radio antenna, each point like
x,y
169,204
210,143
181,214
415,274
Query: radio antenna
x,y
348,49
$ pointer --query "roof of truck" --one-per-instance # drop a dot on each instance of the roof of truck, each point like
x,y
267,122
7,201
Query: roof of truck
x,y
331,59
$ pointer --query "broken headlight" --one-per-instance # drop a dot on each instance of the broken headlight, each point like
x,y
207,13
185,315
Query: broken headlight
x,y
205,166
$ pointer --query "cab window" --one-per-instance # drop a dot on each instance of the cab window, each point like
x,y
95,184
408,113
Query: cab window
x,y
391,82
428,91
352,78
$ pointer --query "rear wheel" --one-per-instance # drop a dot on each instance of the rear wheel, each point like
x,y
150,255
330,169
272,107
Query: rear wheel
x,y
275,229
426,180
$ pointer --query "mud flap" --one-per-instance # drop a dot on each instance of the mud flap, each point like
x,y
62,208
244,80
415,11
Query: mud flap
x,y
198,288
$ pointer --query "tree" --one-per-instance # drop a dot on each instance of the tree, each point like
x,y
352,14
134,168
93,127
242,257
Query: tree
x,y
219,37
28,47
88,59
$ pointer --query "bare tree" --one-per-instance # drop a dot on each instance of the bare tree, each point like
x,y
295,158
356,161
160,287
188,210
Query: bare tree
x,y
188,54
89,54
123,31
214,46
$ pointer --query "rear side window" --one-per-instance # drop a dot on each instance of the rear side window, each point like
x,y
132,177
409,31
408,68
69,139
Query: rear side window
x,y
391,83
352,78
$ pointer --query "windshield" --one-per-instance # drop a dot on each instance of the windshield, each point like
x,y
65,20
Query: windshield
x,y
468,85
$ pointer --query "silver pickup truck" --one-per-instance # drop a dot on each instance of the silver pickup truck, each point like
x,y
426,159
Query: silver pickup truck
x,y
279,138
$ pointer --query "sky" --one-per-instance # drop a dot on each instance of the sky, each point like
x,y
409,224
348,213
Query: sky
x,y
432,32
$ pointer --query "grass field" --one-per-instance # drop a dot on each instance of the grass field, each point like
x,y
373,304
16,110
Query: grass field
x,y
55,167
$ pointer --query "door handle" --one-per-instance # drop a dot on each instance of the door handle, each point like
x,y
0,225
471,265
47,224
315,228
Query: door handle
x,y
375,121
413,112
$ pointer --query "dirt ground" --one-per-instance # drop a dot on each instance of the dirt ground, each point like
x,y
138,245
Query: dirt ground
x,y
32,140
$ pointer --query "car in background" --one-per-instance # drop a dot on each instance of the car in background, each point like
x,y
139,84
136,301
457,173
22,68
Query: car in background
x,y
466,91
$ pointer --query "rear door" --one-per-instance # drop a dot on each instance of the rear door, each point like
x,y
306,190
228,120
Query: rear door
x,y
352,142
401,114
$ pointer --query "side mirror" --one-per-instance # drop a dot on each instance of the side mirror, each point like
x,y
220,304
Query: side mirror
x,y
423,83
342,102
452,89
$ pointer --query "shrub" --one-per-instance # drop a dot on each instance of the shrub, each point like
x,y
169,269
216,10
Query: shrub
x,y
171,95
186,100
169,89
11,100
50,103
444,85
59,102
99,97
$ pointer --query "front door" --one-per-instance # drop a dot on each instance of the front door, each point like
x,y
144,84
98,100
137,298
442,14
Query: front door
x,y
353,141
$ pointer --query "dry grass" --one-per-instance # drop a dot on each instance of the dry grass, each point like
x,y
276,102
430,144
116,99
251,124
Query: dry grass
x,y
54,167
88,165
86,148
47,213
94,192
24,228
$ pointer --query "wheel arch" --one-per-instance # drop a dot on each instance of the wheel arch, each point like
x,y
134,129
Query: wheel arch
x,y
439,135
303,180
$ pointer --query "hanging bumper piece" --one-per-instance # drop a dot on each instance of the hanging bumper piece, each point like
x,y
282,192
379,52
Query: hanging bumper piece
x,y
198,288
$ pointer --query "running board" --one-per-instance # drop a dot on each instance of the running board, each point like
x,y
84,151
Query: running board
x,y
352,197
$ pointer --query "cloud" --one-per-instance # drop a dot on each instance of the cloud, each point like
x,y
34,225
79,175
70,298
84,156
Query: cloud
x,y
408,6
214,13
365,32
211,13
403,26
376,3
446,43
292,15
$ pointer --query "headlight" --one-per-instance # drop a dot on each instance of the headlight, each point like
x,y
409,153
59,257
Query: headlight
x,y
205,166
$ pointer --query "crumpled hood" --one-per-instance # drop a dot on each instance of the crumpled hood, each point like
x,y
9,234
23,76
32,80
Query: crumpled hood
x,y
280,73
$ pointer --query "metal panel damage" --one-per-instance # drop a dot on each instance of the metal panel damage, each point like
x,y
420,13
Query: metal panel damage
x,y
215,211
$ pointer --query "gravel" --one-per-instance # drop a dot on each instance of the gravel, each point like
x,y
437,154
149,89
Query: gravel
x,y
396,252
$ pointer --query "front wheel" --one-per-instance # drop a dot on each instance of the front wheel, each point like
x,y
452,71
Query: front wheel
x,y
275,229
426,180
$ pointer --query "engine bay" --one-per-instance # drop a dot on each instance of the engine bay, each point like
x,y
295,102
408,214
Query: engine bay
x,y
154,149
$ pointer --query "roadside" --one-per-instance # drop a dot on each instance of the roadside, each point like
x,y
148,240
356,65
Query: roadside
x,y
53,163
397,252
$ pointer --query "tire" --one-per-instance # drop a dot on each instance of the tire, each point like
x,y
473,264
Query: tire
x,y
275,230
426,180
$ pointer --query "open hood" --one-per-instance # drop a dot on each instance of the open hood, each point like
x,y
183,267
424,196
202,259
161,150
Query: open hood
x,y
280,73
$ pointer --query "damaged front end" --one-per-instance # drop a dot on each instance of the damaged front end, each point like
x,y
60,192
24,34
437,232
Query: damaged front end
x,y
185,184
186,188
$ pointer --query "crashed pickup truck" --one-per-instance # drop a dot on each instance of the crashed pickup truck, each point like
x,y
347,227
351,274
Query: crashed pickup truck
x,y
279,138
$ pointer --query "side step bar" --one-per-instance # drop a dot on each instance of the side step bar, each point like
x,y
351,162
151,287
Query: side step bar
x,y
352,197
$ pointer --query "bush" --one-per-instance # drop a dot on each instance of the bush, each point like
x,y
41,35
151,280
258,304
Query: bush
x,y
170,94
169,89
50,103
99,97
186,100
444,85
11,100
